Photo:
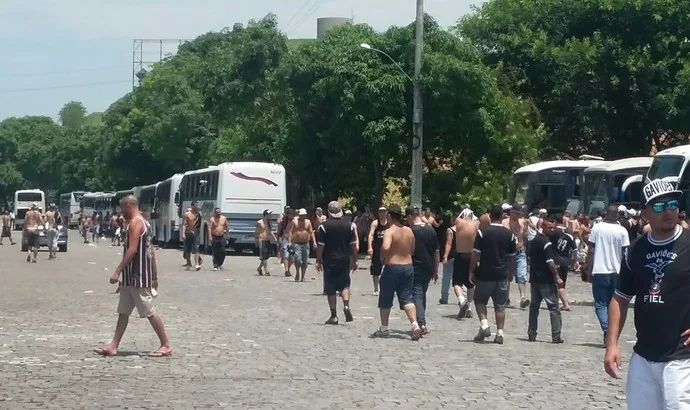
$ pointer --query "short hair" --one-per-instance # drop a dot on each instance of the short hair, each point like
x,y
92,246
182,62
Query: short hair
x,y
129,200
550,218
496,212
558,218
396,216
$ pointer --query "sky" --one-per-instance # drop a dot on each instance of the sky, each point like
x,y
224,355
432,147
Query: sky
x,y
55,51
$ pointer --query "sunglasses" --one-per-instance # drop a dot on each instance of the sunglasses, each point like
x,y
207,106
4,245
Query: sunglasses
x,y
660,207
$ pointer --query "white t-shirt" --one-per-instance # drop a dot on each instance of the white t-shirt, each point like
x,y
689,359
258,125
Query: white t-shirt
x,y
609,239
531,233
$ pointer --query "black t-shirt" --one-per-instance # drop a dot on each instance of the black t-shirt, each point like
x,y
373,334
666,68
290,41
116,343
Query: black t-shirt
x,y
425,248
658,275
541,254
336,235
377,241
563,245
494,244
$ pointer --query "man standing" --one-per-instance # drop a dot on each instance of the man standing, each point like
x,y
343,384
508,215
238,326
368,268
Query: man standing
x,y
300,234
465,232
53,225
544,282
449,253
6,227
337,256
397,276
191,234
217,231
285,251
607,243
375,241
655,270
425,261
494,250
518,225
139,275
565,255
32,220
263,234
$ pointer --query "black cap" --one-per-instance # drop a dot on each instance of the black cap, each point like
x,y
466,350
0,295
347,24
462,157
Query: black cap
x,y
411,211
395,209
517,207
287,209
267,212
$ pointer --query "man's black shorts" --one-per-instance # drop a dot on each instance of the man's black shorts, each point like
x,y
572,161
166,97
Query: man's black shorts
x,y
32,239
376,266
461,270
336,277
563,273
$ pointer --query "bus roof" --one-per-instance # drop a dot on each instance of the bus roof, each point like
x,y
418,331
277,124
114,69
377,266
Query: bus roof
x,y
29,190
682,150
150,186
561,164
622,164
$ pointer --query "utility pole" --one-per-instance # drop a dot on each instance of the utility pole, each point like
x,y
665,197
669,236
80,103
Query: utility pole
x,y
417,114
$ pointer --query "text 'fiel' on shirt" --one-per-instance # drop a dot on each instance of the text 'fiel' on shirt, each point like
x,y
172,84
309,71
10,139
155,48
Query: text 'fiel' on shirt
x,y
494,244
336,235
657,274
425,247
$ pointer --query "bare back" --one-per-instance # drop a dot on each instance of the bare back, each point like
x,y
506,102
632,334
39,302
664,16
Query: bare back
x,y
5,220
50,218
398,245
519,229
484,221
465,232
31,220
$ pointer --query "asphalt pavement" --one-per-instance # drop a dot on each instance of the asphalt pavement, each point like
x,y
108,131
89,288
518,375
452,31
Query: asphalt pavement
x,y
251,342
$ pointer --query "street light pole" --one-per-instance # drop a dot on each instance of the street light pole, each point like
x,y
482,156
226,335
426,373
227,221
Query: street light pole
x,y
417,112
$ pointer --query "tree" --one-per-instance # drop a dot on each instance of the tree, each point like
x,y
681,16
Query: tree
x,y
603,74
72,115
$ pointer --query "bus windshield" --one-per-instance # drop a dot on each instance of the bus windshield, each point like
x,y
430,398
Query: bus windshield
x,y
665,166
549,190
598,191
520,189
78,196
29,197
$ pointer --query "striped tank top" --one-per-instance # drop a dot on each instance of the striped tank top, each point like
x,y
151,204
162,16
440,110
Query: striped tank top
x,y
139,271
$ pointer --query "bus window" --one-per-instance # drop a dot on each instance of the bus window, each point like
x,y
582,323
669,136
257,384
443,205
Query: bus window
x,y
684,183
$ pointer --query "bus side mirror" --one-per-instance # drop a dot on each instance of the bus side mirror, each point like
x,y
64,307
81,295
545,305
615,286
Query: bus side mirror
x,y
177,198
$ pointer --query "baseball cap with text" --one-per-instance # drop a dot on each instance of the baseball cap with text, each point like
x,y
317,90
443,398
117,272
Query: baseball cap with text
x,y
657,189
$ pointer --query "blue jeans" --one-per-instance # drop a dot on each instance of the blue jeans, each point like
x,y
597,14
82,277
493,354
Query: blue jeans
x,y
419,294
603,286
447,279
521,267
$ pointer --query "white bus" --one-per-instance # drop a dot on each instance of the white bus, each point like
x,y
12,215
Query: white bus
x,y
614,182
88,203
552,185
70,207
167,215
23,201
117,196
147,203
242,191
672,165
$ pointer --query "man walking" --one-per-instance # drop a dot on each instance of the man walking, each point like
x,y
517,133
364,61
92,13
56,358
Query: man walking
x,y
544,282
286,252
449,253
300,234
337,256
397,276
217,231
607,243
32,220
519,226
425,261
139,276
263,234
375,241
494,250
6,227
191,235
655,270
465,232
565,255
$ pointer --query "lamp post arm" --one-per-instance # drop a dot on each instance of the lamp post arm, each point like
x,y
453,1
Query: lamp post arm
x,y
394,62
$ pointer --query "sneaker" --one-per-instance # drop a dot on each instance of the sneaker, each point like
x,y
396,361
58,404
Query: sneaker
x,y
532,338
215,269
482,334
381,333
425,331
469,314
376,293
498,339
198,267
296,278
333,320
416,332
268,273
348,315
524,303
463,311
443,301
557,340
259,271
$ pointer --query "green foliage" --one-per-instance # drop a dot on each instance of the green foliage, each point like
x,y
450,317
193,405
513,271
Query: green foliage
x,y
72,115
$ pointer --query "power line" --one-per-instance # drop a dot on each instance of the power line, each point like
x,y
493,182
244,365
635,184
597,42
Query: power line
x,y
308,14
299,10
80,70
60,87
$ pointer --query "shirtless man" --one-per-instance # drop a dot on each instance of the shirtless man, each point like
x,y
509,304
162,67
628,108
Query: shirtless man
x,y
375,241
518,225
85,227
32,220
429,219
465,232
285,252
300,234
484,220
113,228
397,276
191,235
263,234
51,232
217,230
6,227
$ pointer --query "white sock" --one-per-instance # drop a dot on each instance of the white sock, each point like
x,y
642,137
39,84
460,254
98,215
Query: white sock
x,y
384,328
415,324
484,323
469,306
461,300
500,332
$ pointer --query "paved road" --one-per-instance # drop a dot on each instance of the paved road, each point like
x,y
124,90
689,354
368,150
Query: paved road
x,y
244,341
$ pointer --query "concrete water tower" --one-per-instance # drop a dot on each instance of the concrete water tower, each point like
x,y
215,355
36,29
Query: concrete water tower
x,y
324,24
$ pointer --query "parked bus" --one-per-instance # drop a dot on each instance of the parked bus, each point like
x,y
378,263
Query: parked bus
x,y
672,165
24,199
88,203
551,185
70,207
117,196
614,182
147,203
242,191
104,203
167,216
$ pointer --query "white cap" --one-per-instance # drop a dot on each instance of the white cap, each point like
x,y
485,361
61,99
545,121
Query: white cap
x,y
505,207
348,212
543,211
467,214
632,212
657,189
622,208
302,211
